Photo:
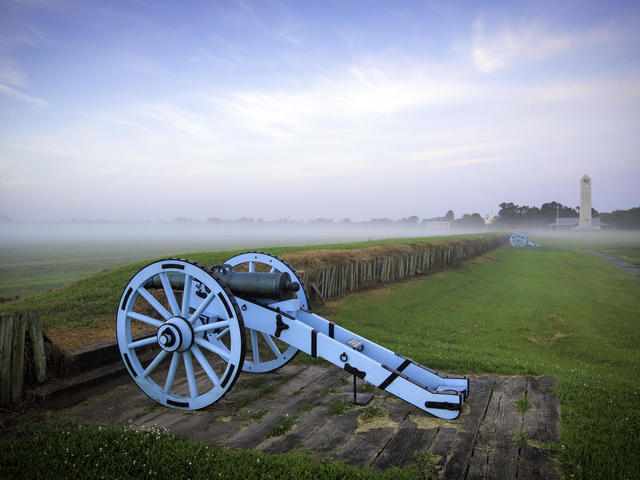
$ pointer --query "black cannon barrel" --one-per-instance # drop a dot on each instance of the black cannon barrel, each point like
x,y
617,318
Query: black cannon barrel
x,y
244,284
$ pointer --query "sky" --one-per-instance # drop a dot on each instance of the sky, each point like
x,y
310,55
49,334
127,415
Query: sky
x,y
150,110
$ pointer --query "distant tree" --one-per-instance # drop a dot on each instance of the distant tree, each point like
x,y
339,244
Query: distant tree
x,y
412,220
182,220
513,216
381,221
5,219
449,216
473,221
509,215
548,212
214,220
568,212
321,221
622,219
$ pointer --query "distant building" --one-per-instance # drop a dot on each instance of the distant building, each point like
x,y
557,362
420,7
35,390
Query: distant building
x,y
574,224
489,218
435,226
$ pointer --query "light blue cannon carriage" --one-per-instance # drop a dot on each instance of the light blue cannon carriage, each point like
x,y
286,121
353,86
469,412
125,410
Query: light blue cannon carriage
x,y
520,239
203,321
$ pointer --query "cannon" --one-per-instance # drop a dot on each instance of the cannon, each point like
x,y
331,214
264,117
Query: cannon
x,y
520,239
186,332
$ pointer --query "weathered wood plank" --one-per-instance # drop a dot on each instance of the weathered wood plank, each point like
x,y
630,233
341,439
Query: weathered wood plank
x,y
286,407
363,447
6,345
441,446
37,343
304,428
536,464
17,359
402,448
541,422
333,434
464,440
503,462
495,452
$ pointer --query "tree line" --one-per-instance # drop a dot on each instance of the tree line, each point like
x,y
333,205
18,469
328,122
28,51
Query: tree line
x,y
511,215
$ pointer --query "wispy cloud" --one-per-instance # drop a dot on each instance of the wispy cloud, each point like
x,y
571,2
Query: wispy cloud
x,y
10,72
18,95
355,94
171,116
528,41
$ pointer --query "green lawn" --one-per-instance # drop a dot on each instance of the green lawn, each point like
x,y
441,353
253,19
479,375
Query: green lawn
x,y
631,255
52,450
534,311
96,296
37,265
553,310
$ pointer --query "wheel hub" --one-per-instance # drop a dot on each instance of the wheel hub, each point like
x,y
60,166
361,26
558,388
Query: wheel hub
x,y
176,335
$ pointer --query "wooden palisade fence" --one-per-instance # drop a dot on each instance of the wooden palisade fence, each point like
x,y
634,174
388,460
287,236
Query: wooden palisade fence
x,y
14,331
358,275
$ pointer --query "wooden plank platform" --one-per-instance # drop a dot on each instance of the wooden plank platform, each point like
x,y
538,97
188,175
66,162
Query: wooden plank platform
x,y
495,436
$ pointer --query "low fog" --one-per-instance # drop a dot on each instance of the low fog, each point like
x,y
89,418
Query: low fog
x,y
587,238
123,242
116,243
35,257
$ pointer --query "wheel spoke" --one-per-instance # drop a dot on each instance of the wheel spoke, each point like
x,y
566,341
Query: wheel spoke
x,y
222,334
275,354
154,303
205,365
221,352
191,378
175,360
204,336
210,326
168,291
156,361
143,342
203,306
186,296
254,346
272,345
145,319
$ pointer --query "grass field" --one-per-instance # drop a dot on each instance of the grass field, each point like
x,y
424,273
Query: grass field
x,y
553,310
80,452
534,311
94,297
631,255
35,258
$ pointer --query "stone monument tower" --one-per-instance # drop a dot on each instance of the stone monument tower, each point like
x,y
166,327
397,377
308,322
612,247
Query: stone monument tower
x,y
585,203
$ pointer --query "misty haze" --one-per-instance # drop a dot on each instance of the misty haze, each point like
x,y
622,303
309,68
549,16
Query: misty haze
x,y
455,182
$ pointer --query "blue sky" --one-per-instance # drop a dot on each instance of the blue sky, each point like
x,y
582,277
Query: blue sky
x,y
152,110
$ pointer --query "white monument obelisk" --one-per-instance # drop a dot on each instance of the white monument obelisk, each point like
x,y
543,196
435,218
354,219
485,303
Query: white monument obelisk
x,y
585,203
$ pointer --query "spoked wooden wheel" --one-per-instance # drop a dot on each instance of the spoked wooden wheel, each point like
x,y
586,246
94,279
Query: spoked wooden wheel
x,y
193,345
518,239
267,353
